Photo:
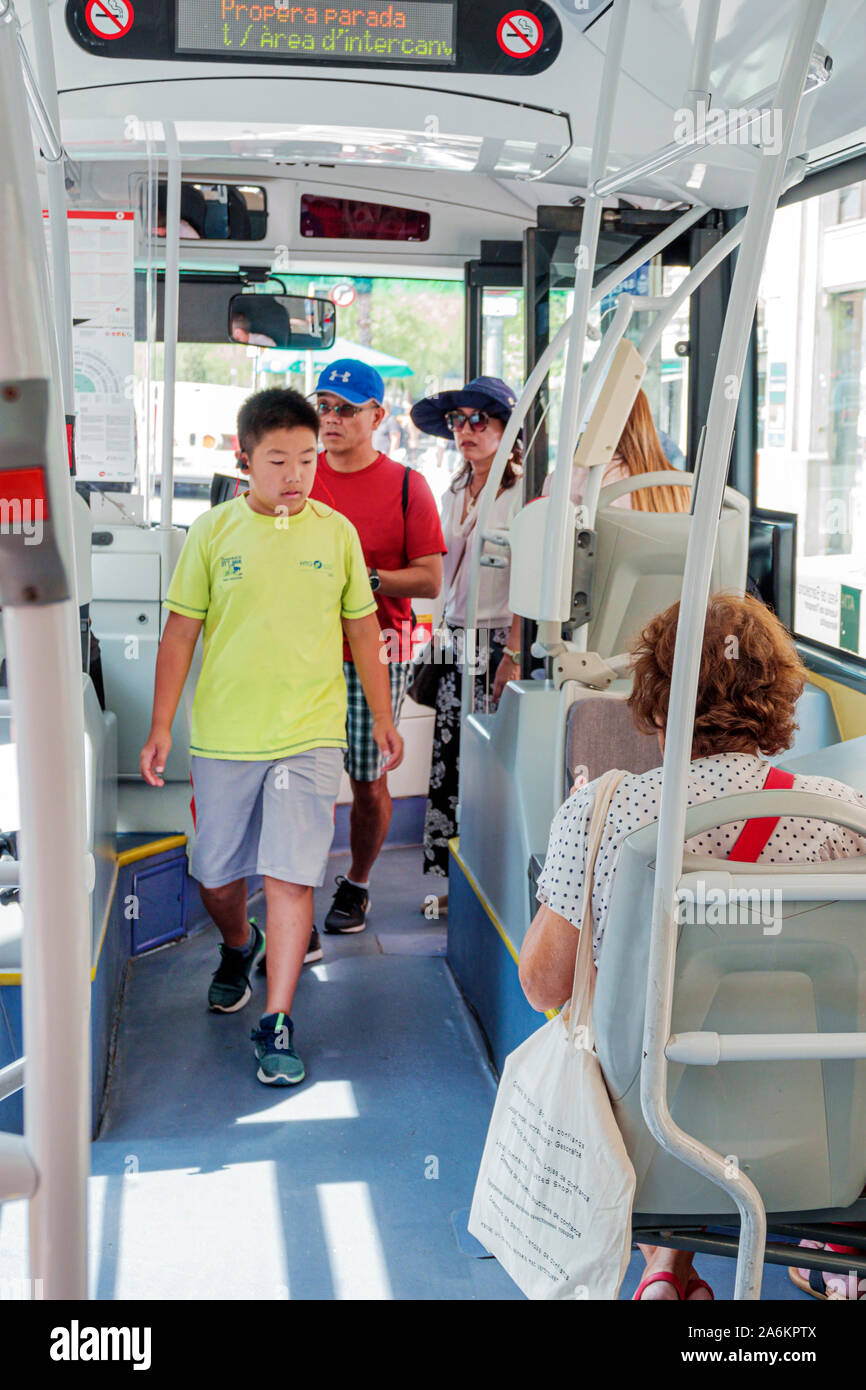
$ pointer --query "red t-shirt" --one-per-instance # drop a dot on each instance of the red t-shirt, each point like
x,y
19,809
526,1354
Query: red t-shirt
x,y
372,499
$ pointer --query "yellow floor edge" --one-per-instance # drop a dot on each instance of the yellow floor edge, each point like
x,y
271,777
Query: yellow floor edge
x,y
129,856
454,847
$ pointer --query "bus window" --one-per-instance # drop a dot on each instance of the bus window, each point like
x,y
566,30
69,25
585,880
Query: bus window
x,y
812,406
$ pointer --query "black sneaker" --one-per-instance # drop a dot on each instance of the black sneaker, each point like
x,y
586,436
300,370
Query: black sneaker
x,y
314,952
349,909
230,985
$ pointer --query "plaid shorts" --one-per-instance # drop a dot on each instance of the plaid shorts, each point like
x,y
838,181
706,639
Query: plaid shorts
x,y
362,760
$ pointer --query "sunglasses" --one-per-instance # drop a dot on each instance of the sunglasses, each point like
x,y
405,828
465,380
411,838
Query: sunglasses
x,y
343,409
478,420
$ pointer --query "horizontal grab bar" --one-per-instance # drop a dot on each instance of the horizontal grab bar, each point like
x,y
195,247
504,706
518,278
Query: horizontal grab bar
x,y
810,887
709,1049
12,1078
18,1175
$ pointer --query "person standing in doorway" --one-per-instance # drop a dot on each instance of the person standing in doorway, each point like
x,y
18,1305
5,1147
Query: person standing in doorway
x,y
393,510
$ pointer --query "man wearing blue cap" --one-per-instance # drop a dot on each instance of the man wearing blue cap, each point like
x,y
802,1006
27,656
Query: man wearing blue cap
x,y
395,515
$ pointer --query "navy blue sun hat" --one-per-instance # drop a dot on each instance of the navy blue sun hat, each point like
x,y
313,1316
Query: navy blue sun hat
x,y
355,381
482,393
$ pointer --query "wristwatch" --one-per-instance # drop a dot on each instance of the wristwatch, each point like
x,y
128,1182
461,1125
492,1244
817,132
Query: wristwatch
x,y
515,656
375,581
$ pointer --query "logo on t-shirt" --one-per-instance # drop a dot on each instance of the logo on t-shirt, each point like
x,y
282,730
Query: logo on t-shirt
x,y
316,565
231,567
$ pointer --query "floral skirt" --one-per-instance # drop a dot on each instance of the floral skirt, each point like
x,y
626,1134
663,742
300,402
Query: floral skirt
x,y
440,824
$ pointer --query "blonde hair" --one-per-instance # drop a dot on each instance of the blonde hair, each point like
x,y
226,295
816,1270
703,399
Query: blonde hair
x,y
641,451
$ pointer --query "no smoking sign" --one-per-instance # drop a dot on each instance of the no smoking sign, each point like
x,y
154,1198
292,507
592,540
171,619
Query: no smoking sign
x,y
109,19
520,34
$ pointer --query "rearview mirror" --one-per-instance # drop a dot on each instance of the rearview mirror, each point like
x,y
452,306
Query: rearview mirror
x,y
282,321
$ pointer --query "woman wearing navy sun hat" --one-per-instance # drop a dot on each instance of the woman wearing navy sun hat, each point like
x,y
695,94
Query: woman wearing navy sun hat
x,y
474,418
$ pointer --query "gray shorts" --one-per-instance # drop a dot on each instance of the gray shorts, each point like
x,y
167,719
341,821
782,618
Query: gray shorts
x,y
274,817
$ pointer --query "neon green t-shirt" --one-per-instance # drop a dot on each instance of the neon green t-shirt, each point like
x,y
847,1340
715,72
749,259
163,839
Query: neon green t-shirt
x,y
271,591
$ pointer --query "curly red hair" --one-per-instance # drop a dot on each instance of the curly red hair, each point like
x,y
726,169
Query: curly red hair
x,y
749,681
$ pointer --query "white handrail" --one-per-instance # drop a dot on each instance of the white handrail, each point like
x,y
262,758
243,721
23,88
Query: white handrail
x,y
702,57
43,654
171,287
680,724
700,1049
61,271
556,536
12,1077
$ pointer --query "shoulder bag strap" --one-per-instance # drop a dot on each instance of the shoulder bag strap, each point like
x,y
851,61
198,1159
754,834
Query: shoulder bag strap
x,y
756,832
583,989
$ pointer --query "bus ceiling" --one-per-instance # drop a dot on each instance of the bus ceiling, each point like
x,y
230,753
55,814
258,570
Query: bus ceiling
x,y
449,88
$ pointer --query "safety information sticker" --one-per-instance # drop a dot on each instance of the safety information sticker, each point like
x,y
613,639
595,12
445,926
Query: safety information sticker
x,y
102,259
520,34
109,19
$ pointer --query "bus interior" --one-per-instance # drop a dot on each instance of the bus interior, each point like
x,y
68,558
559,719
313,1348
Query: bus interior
x,y
538,195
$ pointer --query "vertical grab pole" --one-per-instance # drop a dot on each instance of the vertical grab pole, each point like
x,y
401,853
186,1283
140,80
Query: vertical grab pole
x,y
702,56
61,277
170,320
40,624
684,681
556,537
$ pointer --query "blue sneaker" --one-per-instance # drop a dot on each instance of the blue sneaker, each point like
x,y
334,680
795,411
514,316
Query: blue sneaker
x,y
279,1063
230,985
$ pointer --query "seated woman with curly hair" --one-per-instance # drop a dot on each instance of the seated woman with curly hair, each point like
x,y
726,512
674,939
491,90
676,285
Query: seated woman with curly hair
x,y
750,680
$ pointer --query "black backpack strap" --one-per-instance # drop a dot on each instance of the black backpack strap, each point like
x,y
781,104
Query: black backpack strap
x,y
406,473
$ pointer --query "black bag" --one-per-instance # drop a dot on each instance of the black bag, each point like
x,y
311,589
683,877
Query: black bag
x,y
426,673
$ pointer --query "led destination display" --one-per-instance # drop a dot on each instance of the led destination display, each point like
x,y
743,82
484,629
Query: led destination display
x,y
405,33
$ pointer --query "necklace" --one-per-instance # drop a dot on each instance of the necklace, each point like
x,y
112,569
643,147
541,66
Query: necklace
x,y
474,496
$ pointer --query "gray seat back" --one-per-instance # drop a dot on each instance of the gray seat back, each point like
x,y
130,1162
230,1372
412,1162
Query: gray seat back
x,y
641,556
798,1128
600,734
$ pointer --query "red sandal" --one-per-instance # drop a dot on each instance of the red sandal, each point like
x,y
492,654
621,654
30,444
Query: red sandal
x,y
697,1283
661,1276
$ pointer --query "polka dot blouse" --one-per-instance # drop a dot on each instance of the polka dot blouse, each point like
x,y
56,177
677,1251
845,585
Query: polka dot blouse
x,y
635,803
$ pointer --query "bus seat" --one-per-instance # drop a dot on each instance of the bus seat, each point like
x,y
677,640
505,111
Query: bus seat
x,y
640,559
797,1128
600,734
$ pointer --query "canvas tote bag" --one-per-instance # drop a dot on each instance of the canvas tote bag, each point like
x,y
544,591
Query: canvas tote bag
x,y
554,1193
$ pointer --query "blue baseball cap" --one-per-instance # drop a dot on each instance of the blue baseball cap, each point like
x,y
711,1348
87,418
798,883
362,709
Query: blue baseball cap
x,y
488,393
352,380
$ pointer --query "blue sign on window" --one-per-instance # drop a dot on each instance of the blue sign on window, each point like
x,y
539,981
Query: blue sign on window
x,y
636,283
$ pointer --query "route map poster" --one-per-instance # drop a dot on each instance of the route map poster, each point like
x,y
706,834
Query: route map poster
x,y
101,255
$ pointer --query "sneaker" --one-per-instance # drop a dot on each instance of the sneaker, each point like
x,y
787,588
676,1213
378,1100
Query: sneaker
x,y
230,986
279,1063
314,952
349,909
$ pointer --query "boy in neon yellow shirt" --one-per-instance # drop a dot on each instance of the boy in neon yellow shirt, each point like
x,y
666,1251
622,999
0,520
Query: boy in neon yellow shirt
x,y
275,581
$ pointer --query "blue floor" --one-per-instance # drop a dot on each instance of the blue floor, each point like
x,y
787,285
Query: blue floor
x,y
356,1185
